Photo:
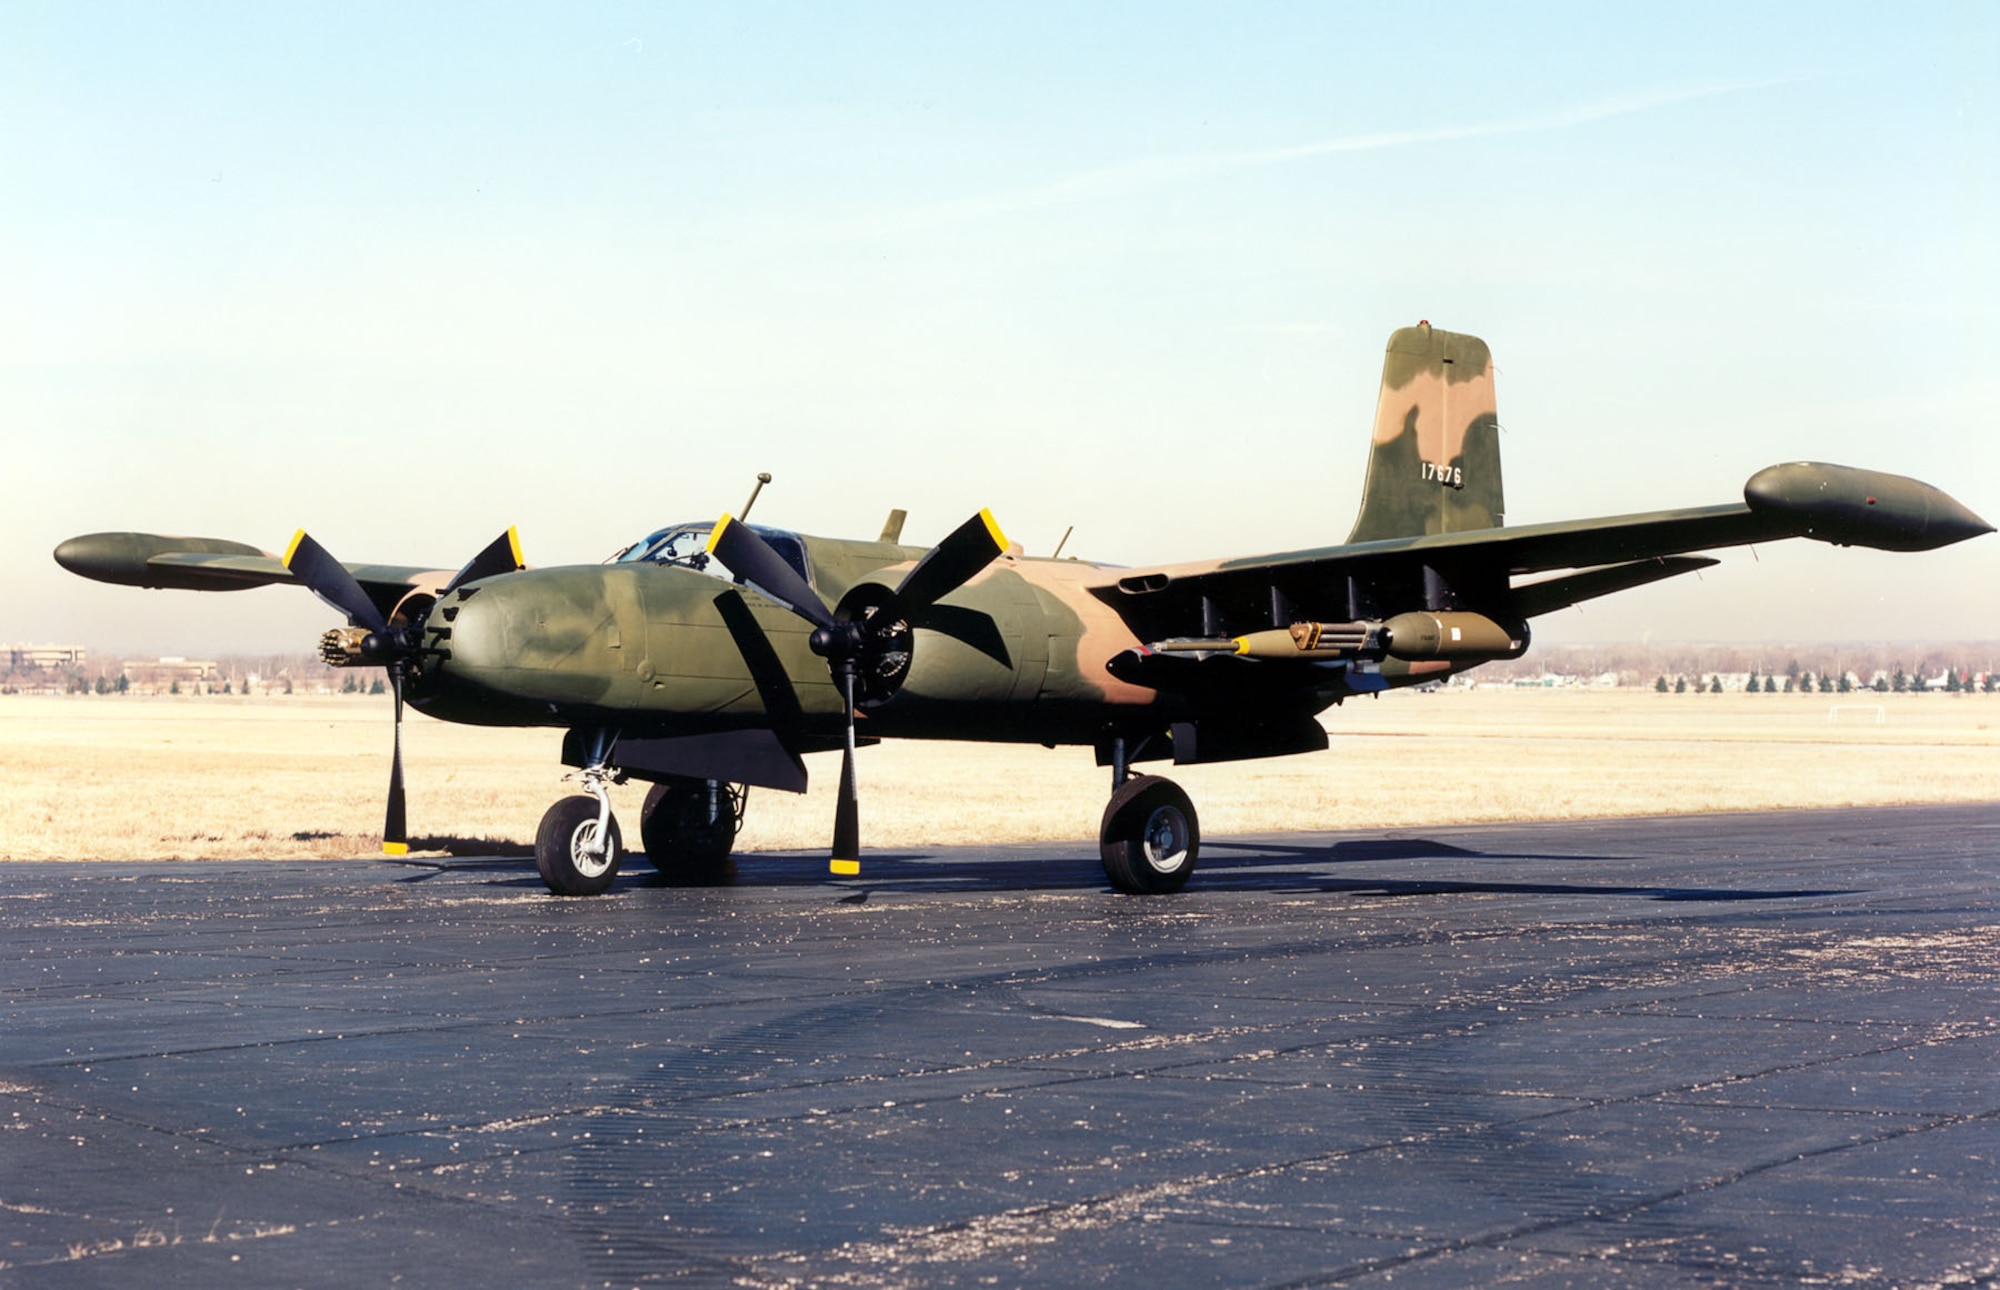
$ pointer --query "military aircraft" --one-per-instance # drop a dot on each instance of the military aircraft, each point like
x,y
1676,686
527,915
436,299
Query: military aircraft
x,y
710,657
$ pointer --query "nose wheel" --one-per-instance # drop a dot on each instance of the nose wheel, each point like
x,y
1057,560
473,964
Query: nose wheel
x,y
1150,837
577,847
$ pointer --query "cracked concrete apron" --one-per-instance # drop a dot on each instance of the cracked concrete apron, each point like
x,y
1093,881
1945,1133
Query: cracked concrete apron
x,y
1724,1049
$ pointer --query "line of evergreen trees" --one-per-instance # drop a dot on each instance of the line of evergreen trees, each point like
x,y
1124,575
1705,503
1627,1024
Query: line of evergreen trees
x,y
1900,682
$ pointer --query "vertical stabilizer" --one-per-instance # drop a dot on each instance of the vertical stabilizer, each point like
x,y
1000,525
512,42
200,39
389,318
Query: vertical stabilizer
x,y
1434,463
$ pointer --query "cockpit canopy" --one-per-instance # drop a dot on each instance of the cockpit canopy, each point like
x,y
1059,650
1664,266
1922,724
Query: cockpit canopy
x,y
686,546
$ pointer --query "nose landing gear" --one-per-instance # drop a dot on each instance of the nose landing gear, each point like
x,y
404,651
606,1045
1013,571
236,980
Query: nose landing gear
x,y
688,828
577,847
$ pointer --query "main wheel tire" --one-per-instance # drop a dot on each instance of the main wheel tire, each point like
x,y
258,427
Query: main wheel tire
x,y
681,841
565,849
1150,837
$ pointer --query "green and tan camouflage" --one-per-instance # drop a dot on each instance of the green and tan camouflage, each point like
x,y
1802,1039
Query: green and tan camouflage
x,y
663,663
1434,457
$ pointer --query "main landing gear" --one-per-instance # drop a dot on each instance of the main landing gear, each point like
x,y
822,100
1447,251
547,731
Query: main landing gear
x,y
1150,837
688,828
1148,842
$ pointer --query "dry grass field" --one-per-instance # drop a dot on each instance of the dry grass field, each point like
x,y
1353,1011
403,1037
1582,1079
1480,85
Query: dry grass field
x,y
106,777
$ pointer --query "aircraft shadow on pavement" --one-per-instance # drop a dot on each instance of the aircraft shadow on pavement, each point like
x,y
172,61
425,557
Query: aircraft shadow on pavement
x,y
1274,867
423,870
1278,868
1388,849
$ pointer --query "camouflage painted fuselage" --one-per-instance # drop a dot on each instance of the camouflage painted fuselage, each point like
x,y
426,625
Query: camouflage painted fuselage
x,y
653,650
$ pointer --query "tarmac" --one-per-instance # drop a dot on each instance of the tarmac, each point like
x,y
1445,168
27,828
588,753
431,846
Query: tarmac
x,y
1743,1050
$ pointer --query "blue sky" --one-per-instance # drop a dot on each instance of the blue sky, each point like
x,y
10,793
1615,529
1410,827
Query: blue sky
x,y
405,276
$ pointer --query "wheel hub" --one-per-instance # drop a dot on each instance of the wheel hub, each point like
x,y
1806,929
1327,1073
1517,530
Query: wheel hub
x,y
588,852
1166,839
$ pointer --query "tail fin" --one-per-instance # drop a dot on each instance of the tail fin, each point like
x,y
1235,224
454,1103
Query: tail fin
x,y
1434,466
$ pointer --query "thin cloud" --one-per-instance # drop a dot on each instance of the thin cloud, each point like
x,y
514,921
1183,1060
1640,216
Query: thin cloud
x,y
1134,176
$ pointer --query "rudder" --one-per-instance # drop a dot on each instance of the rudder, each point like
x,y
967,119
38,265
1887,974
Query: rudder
x,y
1434,464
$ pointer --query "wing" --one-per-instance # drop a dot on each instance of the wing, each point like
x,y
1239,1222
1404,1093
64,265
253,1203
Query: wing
x,y
1476,568
216,564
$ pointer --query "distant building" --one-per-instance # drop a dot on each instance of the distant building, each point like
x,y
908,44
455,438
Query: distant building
x,y
47,657
162,672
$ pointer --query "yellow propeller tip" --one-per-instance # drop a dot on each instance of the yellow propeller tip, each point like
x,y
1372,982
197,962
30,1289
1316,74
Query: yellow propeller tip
x,y
993,529
715,534
292,548
395,848
846,868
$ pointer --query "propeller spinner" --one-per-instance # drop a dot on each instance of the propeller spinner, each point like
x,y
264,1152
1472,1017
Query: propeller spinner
x,y
844,642
395,647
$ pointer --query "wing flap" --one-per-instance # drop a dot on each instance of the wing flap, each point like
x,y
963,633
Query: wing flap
x,y
1537,598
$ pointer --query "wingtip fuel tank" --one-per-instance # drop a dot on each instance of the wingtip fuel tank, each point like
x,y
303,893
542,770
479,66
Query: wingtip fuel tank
x,y
126,559
1851,507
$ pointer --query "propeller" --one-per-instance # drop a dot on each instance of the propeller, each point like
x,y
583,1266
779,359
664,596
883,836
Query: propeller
x,y
844,642
327,578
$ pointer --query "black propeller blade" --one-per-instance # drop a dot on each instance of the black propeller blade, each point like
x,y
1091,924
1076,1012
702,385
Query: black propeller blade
x,y
841,642
767,670
748,555
313,565
502,555
947,566
395,834
846,857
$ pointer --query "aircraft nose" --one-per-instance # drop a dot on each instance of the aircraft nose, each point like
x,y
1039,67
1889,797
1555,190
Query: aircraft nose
x,y
472,628
532,635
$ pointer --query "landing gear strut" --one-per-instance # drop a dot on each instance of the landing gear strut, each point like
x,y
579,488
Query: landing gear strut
x,y
1150,837
577,847
688,827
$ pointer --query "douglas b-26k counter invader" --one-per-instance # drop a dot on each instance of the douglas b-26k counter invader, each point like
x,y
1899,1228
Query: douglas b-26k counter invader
x,y
710,657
